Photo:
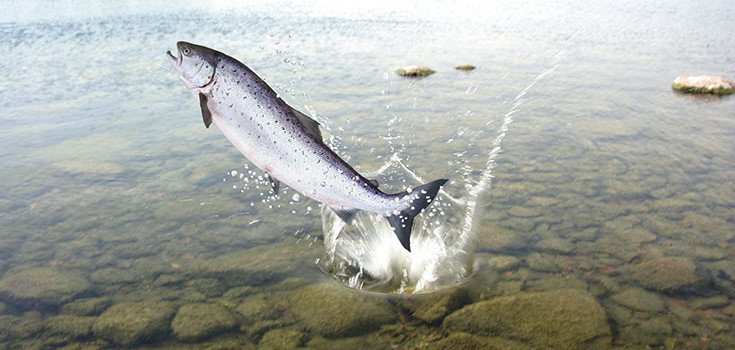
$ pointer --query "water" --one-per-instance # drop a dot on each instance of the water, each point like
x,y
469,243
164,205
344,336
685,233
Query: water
x,y
572,165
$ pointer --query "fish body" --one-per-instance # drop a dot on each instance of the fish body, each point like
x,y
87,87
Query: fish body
x,y
285,143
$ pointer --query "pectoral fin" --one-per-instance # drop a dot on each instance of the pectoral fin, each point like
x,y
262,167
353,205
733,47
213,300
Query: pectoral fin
x,y
206,114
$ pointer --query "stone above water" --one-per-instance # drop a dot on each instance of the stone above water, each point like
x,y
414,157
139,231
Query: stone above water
x,y
42,285
703,84
335,311
195,322
415,71
129,323
560,319
465,67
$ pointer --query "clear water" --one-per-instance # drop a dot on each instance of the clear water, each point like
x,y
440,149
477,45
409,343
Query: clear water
x,y
571,156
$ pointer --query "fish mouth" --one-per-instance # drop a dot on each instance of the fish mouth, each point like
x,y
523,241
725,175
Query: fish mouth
x,y
175,60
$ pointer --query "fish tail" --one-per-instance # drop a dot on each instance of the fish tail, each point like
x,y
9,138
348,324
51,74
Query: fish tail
x,y
420,198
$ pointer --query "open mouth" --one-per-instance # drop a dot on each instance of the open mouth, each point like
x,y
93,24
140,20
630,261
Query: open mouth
x,y
174,59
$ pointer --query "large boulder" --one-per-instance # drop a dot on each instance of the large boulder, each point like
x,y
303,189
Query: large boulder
x,y
559,319
129,323
335,311
195,322
433,307
42,285
704,84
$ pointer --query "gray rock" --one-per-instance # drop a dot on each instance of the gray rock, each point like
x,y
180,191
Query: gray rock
x,y
560,319
129,323
42,285
703,84
639,300
335,311
195,322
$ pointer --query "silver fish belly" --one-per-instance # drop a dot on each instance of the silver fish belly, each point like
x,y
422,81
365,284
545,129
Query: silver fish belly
x,y
285,143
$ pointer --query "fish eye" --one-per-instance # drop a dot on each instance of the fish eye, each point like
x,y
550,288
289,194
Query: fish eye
x,y
186,51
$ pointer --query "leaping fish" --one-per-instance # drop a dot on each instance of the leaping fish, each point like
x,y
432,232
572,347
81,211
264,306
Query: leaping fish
x,y
285,143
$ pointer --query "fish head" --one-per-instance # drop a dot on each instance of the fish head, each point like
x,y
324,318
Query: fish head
x,y
196,65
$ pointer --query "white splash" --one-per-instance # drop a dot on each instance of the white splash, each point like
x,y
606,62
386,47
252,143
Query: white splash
x,y
367,255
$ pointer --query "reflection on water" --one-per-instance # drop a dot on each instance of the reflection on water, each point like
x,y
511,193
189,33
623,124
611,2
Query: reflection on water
x,y
589,205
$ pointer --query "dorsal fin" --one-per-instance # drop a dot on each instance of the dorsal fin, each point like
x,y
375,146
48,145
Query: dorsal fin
x,y
311,125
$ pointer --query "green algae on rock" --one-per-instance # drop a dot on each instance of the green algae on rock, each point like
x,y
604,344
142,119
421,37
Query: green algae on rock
x,y
19,327
467,341
415,71
129,323
195,322
74,327
433,307
560,319
669,274
86,306
42,285
638,299
335,311
703,84
465,67
282,339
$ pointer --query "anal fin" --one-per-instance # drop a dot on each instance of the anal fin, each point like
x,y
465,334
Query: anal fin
x,y
275,184
347,215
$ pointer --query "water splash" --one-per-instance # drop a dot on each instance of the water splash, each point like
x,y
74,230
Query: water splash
x,y
367,255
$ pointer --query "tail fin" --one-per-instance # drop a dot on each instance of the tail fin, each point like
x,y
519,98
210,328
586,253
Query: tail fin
x,y
421,197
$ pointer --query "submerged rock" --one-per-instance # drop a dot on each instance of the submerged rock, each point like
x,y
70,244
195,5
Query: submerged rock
x,y
87,306
466,341
42,285
671,274
638,299
282,339
70,326
704,84
195,322
415,71
19,327
465,67
432,307
129,323
335,311
560,319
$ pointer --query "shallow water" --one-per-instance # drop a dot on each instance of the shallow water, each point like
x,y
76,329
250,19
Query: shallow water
x,y
114,196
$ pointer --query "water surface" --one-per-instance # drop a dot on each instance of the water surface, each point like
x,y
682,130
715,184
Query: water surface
x,y
114,194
